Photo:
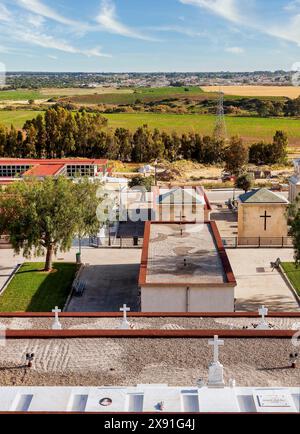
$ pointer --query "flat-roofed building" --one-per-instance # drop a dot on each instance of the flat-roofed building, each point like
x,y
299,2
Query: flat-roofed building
x,y
185,268
16,169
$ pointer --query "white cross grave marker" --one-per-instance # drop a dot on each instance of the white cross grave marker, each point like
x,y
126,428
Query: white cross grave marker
x,y
216,342
125,325
263,324
215,374
56,324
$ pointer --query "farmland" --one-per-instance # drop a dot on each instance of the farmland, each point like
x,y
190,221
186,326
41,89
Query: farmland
x,y
143,95
257,91
21,95
250,128
16,117
46,93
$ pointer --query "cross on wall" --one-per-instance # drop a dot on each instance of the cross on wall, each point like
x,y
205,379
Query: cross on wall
x,y
265,217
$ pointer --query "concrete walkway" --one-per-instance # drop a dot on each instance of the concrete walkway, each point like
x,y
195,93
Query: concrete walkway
x,y
111,277
257,284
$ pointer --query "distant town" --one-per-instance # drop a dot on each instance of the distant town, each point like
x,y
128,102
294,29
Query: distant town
x,y
176,79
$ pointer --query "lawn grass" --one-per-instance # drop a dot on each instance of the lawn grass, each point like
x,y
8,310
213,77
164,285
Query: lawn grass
x,y
33,290
16,117
293,274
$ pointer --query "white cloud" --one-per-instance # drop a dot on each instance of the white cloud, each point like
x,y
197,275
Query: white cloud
x,y
109,21
5,15
235,50
289,32
178,29
225,8
37,7
48,41
234,11
28,29
36,21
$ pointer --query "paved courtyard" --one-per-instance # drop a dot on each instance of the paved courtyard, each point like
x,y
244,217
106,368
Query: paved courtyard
x,y
111,277
257,284
113,273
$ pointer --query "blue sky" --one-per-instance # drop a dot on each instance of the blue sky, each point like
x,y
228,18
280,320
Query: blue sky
x,y
149,35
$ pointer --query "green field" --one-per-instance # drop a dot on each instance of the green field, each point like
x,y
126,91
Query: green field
x,y
16,117
32,290
143,95
20,95
293,274
250,129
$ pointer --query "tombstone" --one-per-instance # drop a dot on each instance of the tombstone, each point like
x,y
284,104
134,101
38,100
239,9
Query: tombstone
x,y
263,324
125,325
56,324
216,371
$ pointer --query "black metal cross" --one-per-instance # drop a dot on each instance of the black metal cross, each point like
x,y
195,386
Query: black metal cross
x,y
266,217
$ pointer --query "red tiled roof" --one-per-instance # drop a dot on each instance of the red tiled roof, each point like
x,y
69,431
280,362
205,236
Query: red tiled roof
x,y
44,170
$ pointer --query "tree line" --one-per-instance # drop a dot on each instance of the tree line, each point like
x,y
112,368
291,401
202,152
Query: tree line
x,y
62,133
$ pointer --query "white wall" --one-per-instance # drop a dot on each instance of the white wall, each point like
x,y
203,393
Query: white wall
x,y
174,299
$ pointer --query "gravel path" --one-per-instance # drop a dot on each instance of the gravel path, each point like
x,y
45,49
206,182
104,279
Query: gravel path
x,y
147,323
127,362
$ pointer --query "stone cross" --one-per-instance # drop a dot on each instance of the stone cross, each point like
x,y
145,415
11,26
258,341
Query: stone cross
x,y
216,342
263,324
125,309
56,324
263,311
125,325
215,371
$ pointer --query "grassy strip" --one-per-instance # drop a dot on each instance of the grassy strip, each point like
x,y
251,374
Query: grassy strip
x,y
33,290
293,274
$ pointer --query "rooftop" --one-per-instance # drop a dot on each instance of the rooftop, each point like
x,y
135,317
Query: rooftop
x,y
146,322
145,398
263,195
253,362
194,257
180,196
44,170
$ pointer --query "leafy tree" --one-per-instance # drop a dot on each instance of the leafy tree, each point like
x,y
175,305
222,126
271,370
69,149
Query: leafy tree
x,y
293,217
3,139
86,194
279,148
142,181
236,155
244,182
46,215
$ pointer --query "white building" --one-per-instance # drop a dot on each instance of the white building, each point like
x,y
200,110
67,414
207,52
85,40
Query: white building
x,y
185,268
